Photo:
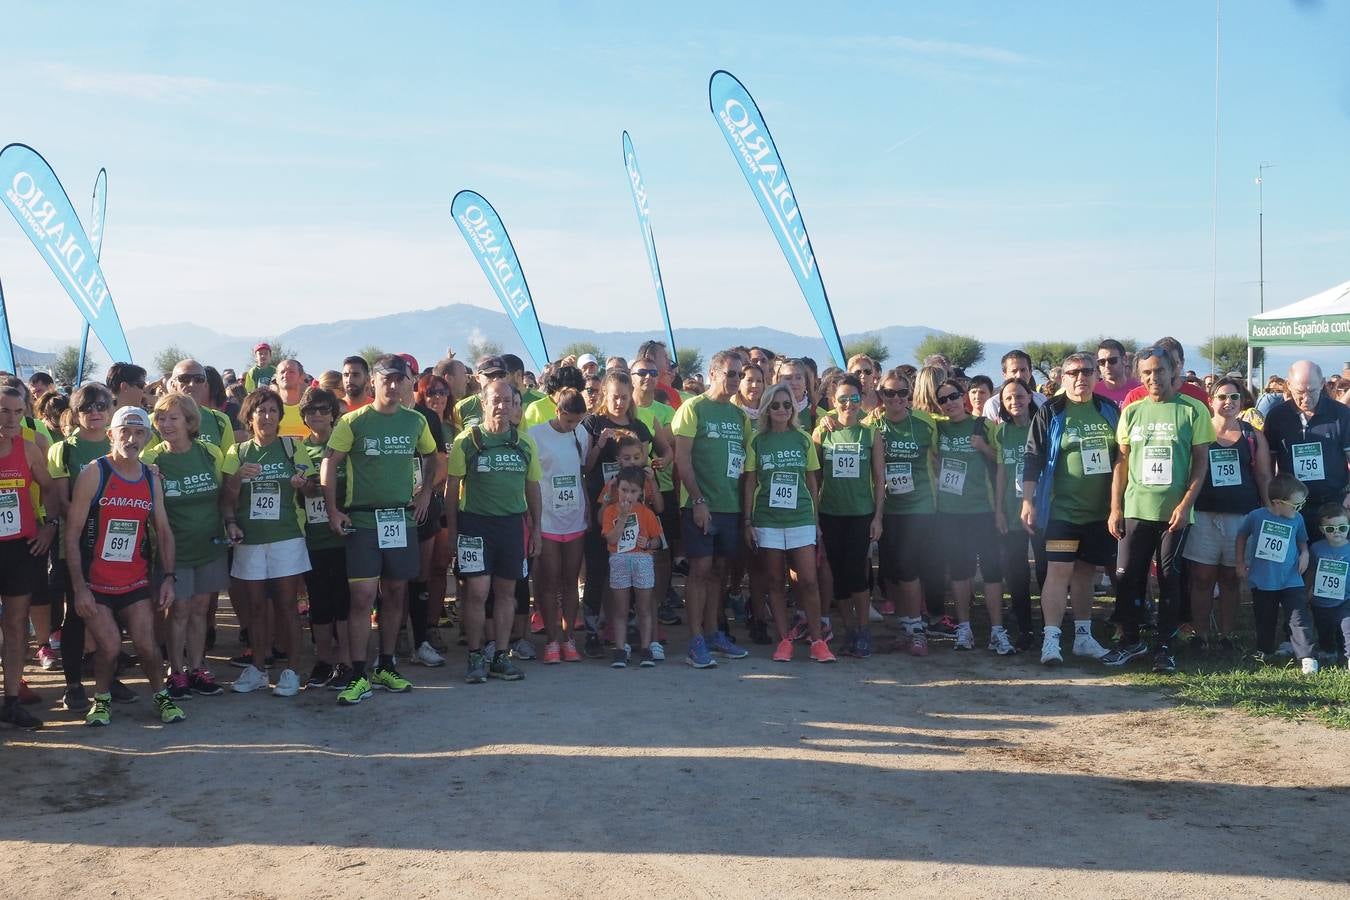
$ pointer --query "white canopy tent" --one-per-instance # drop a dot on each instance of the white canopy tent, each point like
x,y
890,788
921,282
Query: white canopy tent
x,y
1322,320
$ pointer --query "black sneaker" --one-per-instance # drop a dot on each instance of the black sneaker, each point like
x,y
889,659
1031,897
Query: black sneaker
x,y
503,668
592,648
1124,653
620,658
1163,661
667,615
341,677
759,632
122,694
243,660
75,699
648,661
320,675
13,713
680,567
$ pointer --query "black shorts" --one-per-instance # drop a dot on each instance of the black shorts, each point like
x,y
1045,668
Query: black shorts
x,y
847,543
670,515
1089,541
723,539
119,603
21,573
906,545
503,551
967,537
43,590
434,521
365,559
330,596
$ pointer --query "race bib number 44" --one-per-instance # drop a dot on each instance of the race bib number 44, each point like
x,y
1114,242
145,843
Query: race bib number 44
x,y
1158,466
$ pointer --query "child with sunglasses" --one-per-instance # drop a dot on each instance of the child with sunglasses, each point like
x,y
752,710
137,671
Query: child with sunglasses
x,y
1272,554
1327,576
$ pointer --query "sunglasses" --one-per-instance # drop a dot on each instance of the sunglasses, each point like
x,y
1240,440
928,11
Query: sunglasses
x,y
190,379
1108,360
1079,373
94,406
893,393
1335,529
439,392
861,372
1225,398
781,404
646,373
948,398
848,400
1292,505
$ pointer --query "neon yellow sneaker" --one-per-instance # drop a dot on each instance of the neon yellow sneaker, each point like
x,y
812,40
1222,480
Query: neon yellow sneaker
x,y
390,680
169,712
98,715
357,689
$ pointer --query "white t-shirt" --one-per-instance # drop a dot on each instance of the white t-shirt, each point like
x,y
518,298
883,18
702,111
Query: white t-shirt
x,y
562,484
993,407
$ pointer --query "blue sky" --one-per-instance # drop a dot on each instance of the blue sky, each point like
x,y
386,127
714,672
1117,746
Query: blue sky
x,y
1005,170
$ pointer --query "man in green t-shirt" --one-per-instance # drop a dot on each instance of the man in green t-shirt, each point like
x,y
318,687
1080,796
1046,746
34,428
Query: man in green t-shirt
x,y
469,411
710,437
379,444
494,481
189,377
262,371
657,416
1164,442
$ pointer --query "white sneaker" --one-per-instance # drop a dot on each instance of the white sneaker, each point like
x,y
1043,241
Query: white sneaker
x,y
965,638
1086,645
1050,652
999,643
251,679
1310,666
523,649
427,655
658,651
288,684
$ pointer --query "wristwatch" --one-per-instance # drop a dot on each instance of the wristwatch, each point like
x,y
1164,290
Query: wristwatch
x,y
700,501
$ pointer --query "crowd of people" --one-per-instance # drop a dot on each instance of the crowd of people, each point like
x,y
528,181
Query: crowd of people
x,y
378,502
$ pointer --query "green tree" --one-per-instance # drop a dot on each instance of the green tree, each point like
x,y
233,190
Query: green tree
x,y
1130,344
869,345
688,361
480,347
370,353
280,351
169,357
961,350
580,348
1228,353
67,364
1045,355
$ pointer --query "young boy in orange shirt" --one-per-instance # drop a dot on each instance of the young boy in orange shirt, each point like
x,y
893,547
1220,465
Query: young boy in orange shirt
x,y
632,532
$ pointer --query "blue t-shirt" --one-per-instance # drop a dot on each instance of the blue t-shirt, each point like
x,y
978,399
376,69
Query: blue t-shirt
x,y
1330,568
1272,549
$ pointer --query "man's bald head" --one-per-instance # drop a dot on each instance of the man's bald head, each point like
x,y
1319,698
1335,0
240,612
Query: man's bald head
x,y
1305,385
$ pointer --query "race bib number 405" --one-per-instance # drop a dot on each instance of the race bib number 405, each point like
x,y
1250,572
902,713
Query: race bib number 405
x,y
783,490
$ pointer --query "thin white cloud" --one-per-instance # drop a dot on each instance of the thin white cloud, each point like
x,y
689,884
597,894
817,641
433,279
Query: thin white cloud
x,y
144,86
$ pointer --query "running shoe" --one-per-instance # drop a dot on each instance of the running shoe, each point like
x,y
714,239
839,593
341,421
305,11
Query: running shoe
x,y
75,699
619,660
320,675
862,644
919,646
490,650
667,614
658,651
1163,661
820,652
476,673
251,679
552,653
1124,654
759,632
177,686
357,689
569,651
1051,655
592,647
826,630
13,713
944,627
436,639
203,683
503,668
1084,644
99,716
243,660
965,637
387,678
427,655
536,623
47,659
784,651
170,712
798,631
342,676
523,649
680,566
873,614
698,655
28,696
647,661
999,643
288,684
886,607
723,645
850,642
1311,666
122,694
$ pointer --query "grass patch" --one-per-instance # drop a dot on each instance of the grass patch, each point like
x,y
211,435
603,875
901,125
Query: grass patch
x,y
1259,689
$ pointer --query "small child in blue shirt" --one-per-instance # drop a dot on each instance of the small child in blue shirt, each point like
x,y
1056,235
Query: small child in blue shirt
x,y
1272,554
1329,577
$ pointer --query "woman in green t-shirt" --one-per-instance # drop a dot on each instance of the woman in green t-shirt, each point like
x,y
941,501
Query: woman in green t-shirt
x,y
851,501
782,492
330,597
965,505
1015,410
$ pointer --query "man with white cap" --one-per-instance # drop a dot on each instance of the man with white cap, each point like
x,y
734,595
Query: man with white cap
x,y
588,364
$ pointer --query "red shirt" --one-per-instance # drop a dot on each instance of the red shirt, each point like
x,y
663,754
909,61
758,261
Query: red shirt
x,y
17,521
1187,388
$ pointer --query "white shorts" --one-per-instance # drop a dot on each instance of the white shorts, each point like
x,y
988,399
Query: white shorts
x,y
1212,540
785,538
259,562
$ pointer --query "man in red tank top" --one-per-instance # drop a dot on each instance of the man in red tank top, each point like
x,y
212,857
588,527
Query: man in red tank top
x,y
23,544
114,502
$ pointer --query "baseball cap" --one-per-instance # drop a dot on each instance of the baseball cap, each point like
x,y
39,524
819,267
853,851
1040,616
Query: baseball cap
x,y
130,415
411,360
262,345
389,364
587,359
491,365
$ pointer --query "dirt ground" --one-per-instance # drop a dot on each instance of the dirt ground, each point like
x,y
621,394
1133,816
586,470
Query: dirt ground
x,y
959,774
